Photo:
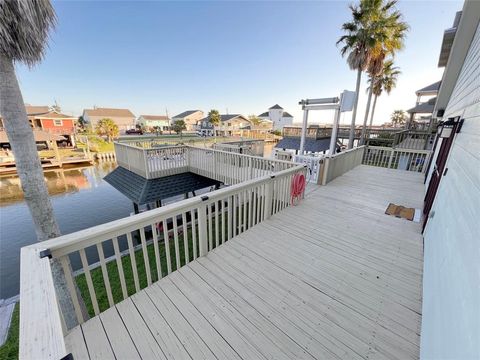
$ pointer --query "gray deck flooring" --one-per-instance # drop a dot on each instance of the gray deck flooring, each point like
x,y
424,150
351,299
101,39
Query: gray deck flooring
x,y
331,278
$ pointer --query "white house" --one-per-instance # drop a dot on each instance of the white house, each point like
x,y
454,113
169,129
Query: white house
x,y
451,273
152,121
190,117
278,116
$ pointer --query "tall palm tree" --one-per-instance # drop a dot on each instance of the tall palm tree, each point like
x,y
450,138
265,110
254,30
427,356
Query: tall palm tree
x,y
215,119
389,31
375,31
385,81
24,30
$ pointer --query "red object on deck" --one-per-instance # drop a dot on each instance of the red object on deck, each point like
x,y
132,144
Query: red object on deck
x,y
297,187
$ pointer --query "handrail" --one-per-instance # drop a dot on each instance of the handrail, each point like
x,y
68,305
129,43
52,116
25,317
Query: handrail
x,y
397,158
41,334
105,231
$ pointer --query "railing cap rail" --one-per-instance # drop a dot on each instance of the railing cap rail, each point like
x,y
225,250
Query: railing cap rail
x,y
84,238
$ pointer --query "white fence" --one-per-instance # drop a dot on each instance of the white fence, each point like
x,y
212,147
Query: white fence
x,y
228,167
397,158
314,166
339,164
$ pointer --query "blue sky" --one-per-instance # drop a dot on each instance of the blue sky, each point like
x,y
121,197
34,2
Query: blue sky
x,y
240,56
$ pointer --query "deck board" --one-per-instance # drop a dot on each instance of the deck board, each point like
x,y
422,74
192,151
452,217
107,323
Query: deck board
x,y
332,278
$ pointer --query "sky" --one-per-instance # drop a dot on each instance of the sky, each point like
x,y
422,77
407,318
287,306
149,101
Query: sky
x,y
237,57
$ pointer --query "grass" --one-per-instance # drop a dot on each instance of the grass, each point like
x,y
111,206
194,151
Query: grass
x,y
9,350
64,153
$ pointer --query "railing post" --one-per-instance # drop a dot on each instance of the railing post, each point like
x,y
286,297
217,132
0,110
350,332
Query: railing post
x,y
268,198
392,151
145,161
202,230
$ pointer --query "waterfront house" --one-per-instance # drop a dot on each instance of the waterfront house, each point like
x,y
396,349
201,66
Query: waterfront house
x,y
421,113
190,117
265,267
230,125
124,118
278,116
162,122
49,124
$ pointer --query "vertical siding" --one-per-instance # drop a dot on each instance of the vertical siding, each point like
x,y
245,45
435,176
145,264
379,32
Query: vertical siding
x,y
451,284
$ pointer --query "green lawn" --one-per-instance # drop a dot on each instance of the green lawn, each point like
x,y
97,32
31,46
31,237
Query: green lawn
x,y
9,350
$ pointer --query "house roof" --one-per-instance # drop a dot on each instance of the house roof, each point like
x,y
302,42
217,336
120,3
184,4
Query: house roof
x,y
155,117
185,114
225,117
276,106
447,41
430,89
142,191
424,108
313,145
39,135
109,112
286,114
54,115
265,114
36,110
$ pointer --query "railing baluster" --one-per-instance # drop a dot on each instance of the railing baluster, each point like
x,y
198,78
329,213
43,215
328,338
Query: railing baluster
x,y
217,224
156,249
146,260
202,230
210,226
106,279
244,195
121,275
166,241
185,237
64,262
194,234
133,261
88,277
175,242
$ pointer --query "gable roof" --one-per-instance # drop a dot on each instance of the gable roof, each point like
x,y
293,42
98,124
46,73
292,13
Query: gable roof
x,y
54,115
36,110
109,112
155,117
286,114
276,106
430,89
265,114
185,114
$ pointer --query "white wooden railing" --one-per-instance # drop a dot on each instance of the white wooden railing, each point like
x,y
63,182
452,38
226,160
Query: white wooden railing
x,y
397,158
228,167
338,164
105,264
314,166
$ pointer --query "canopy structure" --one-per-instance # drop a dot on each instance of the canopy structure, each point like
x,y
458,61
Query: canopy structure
x,y
142,191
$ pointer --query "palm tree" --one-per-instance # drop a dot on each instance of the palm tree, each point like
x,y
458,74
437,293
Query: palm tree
x,y
107,127
385,81
389,31
24,30
398,117
214,118
374,32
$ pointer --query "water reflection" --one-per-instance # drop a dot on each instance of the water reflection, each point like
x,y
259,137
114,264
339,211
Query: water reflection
x,y
80,199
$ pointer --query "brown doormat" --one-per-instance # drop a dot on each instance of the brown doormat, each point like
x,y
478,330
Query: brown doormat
x,y
400,211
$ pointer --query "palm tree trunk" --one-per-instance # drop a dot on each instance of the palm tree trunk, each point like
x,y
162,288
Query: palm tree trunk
x,y
351,136
373,110
365,119
29,170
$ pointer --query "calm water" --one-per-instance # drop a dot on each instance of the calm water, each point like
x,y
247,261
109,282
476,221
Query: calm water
x,y
80,198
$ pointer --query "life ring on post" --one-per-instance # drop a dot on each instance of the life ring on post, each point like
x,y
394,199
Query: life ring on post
x,y
297,188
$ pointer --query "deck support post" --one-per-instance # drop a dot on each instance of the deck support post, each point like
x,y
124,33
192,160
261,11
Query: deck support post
x,y
202,230
269,187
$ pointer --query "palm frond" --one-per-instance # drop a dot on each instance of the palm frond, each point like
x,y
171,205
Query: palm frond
x,y
24,29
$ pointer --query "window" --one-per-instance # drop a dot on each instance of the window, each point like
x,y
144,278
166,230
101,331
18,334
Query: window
x,y
57,122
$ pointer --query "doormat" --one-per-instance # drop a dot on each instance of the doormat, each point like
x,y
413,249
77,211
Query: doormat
x,y
403,212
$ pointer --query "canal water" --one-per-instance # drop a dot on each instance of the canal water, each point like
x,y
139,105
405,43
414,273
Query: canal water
x,y
80,198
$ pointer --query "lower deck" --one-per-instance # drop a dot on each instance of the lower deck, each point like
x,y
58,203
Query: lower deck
x,y
331,278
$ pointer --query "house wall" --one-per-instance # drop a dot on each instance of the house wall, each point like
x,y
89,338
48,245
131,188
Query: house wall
x,y
191,120
124,123
67,127
451,282
276,115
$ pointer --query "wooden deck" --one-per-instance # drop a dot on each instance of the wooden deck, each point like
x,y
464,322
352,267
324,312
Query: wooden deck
x,y
331,278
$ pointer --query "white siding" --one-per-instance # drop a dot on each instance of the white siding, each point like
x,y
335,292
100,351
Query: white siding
x,y
451,283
